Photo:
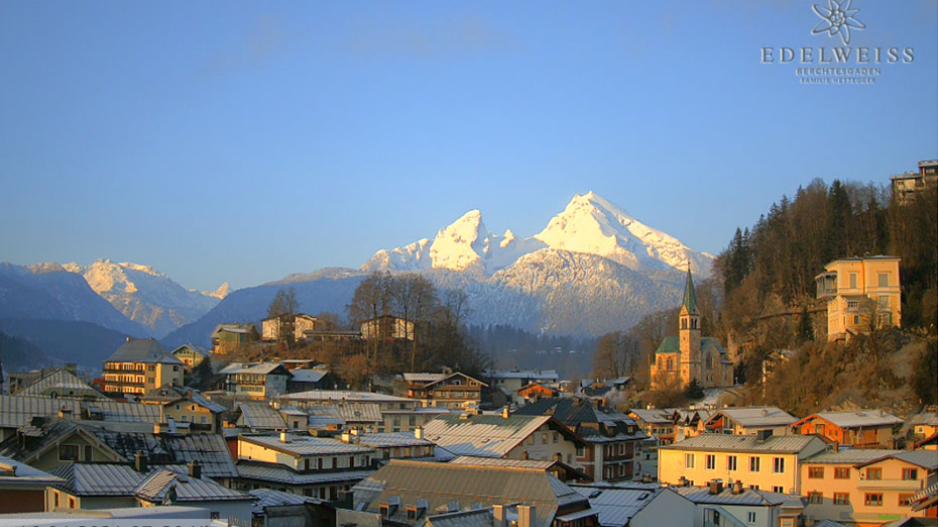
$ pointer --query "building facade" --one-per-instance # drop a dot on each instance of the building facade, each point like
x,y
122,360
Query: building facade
x,y
862,294
453,390
141,366
907,186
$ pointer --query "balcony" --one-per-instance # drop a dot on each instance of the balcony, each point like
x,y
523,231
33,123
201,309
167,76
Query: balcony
x,y
826,285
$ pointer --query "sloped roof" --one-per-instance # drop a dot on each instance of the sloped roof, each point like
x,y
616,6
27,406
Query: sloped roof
x,y
424,377
16,474
16,410
547,375
669,345
210,450
260,416
279,474
756,416
193,348
858,418
148,351
787,444
275,498
482,435
392,439
748,497
262,368
690,294
308,375
443,483
850,456
345,395
616,506
471,518
654,415
98,479
157,486
305,445
62,382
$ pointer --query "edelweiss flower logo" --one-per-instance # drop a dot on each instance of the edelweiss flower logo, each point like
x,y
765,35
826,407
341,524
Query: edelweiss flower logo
x,y
837,19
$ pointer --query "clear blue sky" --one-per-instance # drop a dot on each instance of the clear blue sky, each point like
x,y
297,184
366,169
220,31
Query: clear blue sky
x,y
242,142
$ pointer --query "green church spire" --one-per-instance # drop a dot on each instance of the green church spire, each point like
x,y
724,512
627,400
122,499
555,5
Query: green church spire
x,y
690,294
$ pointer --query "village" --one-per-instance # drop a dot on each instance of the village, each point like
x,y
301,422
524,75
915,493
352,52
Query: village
x,y
208,433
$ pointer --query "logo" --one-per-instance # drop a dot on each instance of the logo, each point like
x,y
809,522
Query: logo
x,y
837,19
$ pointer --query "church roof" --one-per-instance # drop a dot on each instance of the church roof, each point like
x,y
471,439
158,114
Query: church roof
x,y
690,294
672,345
669,345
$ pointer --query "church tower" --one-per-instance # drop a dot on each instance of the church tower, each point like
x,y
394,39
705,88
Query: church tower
x,y
689,334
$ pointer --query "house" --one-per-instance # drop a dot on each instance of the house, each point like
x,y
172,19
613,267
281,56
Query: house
x,y
59,382
189,487
318,467
510,381
506,436
689,357
410,492
23,487
190,406
305,379
232,337
554,467
264,380
862,294
662,506
190,355
750,421
288,327
274,508
656,423
865,486
387,327
19,411
91,486
857,428
373,412
141,366
452,390
909,185
923,424
733,505
763,462
613,441
302,323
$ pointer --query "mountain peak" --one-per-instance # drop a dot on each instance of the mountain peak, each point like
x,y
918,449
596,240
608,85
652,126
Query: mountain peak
x,y
219,293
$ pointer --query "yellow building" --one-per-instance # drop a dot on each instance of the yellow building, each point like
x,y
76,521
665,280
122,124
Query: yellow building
x,y
689,357
764,462
862,294
865,487
190,355
141,366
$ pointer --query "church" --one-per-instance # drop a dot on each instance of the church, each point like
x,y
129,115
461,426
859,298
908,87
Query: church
x,y
688,356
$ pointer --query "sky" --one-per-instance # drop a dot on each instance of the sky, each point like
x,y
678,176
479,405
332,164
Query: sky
x,y
228,141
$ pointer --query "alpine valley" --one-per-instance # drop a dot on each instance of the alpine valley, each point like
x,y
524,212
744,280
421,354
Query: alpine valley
x,y
593,269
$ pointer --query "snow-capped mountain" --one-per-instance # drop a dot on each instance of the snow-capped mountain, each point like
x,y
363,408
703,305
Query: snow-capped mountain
x,y
147,296
588,225
593,269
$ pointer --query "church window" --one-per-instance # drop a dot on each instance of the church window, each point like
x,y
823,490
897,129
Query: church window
x,y
670,364
683,323
709,361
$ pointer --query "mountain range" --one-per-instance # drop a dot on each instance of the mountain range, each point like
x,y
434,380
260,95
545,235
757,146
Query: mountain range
x,y
594,268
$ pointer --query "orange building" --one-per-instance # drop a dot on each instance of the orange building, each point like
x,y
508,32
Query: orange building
x,y
859,428
534,392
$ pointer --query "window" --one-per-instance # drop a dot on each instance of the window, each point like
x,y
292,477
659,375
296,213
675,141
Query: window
x,y
815,497
730,462
873,499
753,464
88,455
55,499
853,280
874,473
883,302
319,463
751,517
68,452
351,461
905,500
883,279
778,489
841,472
688,460
816,472
556,437
853,305
778,465
909,474
580,451
841,498
71,503
711,462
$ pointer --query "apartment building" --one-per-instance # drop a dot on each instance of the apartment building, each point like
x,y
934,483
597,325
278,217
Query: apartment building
x,y
256,381
453,390
141,366
866,487
856,428
761,462
750,421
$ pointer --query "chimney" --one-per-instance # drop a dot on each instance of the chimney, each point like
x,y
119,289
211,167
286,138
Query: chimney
x,y
558,457
140,462
716,486
283,437
418,432
195,469
682,482
738,487
346,437
498,512
527,516
762,435
506,412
